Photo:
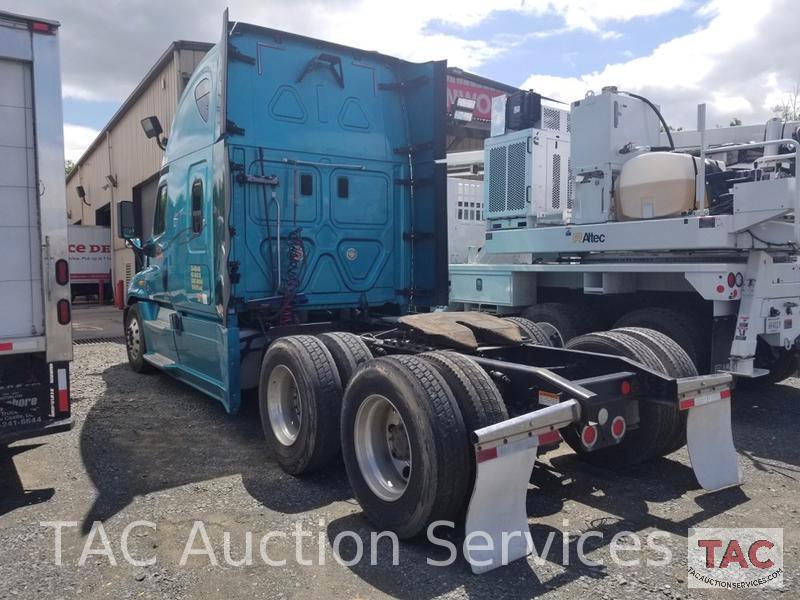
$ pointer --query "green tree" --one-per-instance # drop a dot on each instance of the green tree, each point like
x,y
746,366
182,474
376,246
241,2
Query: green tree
x,y
68,166
735,122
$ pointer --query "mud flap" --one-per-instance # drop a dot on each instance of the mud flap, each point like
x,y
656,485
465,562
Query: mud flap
x,y
709,436
505,454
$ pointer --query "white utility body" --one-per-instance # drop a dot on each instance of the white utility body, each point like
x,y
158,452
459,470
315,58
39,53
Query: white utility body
x,y
735,251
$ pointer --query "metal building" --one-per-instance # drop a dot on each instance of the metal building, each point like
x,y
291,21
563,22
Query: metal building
x,y
122,164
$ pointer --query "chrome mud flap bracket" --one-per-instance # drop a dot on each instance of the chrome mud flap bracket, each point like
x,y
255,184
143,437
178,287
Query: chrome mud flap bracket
x,y
504,456
709,437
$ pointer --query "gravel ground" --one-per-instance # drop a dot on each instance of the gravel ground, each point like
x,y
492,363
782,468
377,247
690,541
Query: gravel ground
x,y
147,448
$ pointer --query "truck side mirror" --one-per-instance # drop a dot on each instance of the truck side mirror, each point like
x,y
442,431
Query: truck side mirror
x,y
126,220
152,129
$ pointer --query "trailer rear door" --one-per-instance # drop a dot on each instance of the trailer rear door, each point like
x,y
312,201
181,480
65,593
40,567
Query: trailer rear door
x,y
20,238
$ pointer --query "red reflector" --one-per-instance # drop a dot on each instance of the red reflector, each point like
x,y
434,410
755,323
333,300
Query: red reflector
x,y
720,288
589,436
731,279
63,311
62,391
551,437
63,401
487,454
6,346
625,387
40,27
62,272
618,427
725,394
686,403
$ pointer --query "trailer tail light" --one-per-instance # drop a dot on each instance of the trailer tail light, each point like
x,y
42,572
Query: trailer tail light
x,y
625,387
589,436
63,312
39,27
62,272
62,391
618,427
731,280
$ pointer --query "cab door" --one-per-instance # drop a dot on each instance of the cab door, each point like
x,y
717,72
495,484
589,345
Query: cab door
x,y
199,334
159,335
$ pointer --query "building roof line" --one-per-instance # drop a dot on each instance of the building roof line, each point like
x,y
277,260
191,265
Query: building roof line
x,y
137,92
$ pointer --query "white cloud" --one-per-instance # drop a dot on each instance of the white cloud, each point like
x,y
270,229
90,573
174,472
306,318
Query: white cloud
x,y
739,63
108,47
76,139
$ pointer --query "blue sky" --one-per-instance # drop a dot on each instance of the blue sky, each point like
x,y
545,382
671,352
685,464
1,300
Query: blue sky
x,y
573,52
677,52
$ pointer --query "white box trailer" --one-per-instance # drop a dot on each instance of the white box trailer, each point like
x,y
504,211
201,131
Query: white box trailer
x,y
35,315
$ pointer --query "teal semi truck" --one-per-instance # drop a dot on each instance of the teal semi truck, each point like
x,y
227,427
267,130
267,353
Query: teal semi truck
x,y
299,249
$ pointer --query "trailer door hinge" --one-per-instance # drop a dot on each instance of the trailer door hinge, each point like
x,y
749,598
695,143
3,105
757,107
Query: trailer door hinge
x,y
413,149
235,167
233,272
232,128
420,181
235,54
402,86
271,180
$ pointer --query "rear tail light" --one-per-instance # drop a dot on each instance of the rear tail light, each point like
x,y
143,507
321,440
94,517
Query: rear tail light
x,y
731,280
62,272
625,387
589,436
39,27
618,427
63,311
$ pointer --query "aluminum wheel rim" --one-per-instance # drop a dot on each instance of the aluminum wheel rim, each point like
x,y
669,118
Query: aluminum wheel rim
x,y
283,405
383,449
133,339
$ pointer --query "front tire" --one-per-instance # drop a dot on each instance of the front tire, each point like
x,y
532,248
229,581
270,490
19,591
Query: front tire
x,y
135,344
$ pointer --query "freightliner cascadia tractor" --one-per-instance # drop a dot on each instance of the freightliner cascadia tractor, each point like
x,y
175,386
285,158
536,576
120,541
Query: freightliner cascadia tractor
x,y
299,249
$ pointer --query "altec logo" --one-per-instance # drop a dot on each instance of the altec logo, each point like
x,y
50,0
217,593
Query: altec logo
x,y
589,237
727,558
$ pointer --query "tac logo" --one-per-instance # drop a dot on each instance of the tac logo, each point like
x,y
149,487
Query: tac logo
x,y
727,558
589,237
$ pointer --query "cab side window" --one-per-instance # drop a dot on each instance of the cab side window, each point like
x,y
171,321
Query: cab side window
x,y
197,206
202,96
160,217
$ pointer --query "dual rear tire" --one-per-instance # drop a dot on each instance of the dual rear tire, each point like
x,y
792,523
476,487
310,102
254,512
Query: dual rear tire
x,y
401,425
